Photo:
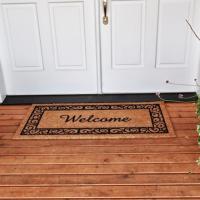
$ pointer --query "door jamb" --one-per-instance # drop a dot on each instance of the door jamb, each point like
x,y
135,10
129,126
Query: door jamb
x,y
2,85
98,47
2,59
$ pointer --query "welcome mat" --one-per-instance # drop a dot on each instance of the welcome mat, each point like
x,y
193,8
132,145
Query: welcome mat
x,y
96,120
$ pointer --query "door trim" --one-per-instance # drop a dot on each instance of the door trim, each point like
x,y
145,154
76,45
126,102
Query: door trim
x,y
2,60
98,47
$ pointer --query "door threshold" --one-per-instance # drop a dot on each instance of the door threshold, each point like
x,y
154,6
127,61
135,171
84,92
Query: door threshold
x,y
46,99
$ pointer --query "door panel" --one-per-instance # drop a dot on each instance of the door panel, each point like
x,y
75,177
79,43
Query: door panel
x,y
22,25
127,38
69,45
145,44
173,45
54,47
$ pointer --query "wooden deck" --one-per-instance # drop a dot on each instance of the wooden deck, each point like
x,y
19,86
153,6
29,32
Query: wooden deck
x,y
162,168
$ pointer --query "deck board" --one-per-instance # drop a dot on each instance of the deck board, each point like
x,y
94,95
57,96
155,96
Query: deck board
x,y
150,168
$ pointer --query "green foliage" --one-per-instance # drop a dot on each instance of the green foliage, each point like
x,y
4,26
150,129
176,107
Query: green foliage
x,y
198,106
198,126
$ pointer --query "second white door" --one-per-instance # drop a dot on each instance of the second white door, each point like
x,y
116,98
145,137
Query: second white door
x,y
144,44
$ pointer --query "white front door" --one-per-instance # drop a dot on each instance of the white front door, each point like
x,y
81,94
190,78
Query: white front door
x,y
52,46
144,44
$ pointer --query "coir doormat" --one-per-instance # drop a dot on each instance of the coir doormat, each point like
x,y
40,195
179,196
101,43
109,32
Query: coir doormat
x,y
96,120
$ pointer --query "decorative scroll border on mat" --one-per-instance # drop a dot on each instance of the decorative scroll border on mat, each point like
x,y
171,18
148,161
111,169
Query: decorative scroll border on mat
x,y
159,125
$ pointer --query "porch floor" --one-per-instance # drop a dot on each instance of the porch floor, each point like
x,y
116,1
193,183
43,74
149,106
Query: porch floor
x,y
152,168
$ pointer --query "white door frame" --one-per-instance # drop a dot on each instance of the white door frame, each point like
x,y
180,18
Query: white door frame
x,y
2,97
2,86
2,60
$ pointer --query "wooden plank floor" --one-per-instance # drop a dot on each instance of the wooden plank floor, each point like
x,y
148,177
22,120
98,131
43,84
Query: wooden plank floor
x,y
162,168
